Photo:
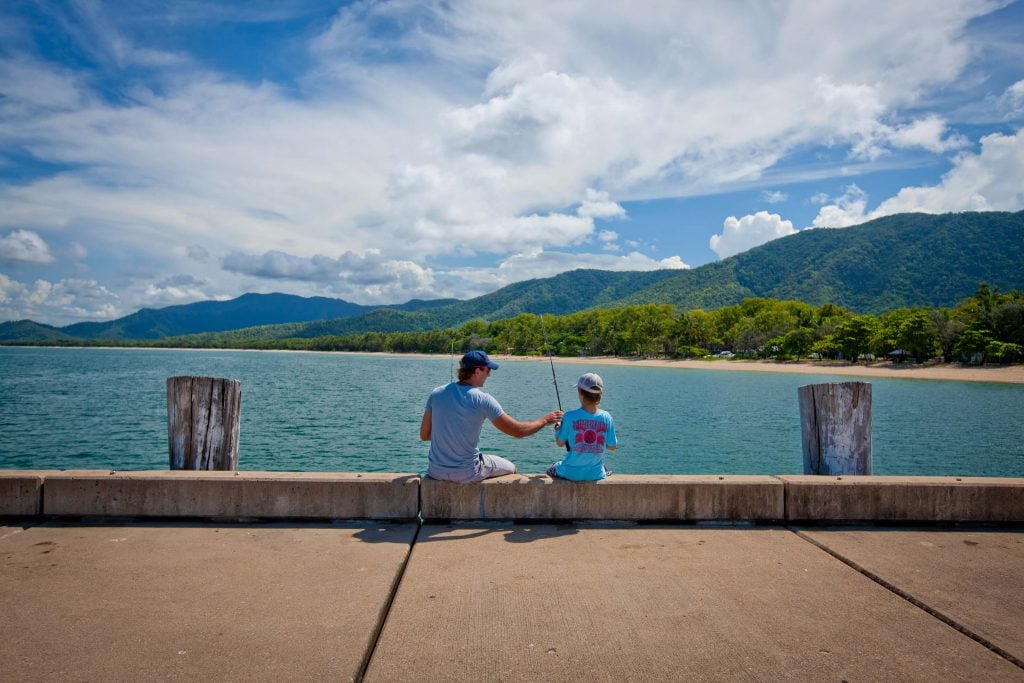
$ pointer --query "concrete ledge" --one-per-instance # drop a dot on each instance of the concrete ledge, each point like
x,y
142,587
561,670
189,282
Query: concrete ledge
x,y
621,497
21,493
904,499
683,498
282,495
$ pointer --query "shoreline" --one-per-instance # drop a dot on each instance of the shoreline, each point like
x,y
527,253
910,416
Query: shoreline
x,y
1004,374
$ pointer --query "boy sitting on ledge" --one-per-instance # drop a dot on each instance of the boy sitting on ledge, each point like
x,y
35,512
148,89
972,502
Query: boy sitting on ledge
x,y
589,432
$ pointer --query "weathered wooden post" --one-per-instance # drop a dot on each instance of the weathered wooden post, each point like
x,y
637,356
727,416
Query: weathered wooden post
x,y
202,422
835,420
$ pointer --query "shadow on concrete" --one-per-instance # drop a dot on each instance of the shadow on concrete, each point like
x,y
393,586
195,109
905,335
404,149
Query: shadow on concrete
x,y
386,532
527,534
513,533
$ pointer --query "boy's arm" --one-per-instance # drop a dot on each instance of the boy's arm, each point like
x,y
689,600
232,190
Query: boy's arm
x,y
559,442
558,431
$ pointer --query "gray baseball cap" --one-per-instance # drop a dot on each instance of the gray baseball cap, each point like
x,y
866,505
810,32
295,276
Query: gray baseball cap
x,y
591,382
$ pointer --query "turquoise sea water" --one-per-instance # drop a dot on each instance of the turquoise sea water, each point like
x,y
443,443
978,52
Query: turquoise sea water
x,y
107,408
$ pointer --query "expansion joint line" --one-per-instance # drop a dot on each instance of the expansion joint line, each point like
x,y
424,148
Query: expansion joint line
x,y
949,621
386,610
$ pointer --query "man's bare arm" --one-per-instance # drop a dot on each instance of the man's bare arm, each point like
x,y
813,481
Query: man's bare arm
x,y
513,427
425,426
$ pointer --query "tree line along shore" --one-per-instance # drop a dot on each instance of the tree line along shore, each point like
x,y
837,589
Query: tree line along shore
x,y
986,327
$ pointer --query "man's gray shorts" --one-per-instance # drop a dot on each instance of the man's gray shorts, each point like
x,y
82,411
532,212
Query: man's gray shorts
x,y
487,466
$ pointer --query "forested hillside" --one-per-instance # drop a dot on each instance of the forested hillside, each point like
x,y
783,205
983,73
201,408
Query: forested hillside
x,y
888,263
31,331
894,262
985,327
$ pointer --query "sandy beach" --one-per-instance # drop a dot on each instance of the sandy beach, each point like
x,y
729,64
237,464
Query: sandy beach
x,y
1012,374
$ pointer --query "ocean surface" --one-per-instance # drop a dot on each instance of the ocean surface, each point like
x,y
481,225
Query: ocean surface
x,y
107,408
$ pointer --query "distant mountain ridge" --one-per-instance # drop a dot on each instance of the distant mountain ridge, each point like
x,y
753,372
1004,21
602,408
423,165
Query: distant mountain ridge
x,y
891,262
29,330
247,310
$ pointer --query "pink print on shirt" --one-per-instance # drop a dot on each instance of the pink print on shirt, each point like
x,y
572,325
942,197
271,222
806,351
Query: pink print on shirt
x,y
589,436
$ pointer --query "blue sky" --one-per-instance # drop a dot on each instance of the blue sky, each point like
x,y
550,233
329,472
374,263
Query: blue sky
x,y
158,153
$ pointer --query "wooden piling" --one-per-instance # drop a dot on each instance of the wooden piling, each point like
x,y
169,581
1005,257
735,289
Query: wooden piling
x,y
203,415
835,422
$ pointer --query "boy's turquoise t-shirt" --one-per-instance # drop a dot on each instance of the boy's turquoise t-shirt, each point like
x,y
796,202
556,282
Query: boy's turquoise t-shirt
x,y
588,435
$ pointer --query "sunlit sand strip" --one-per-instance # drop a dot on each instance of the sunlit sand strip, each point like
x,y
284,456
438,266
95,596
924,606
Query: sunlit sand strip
x,y
1013,374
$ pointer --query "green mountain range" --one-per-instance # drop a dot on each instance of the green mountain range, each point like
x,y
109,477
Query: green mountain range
x,y
893,262
248,310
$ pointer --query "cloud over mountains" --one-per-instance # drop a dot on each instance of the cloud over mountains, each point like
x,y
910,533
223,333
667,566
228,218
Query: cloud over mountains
x,y
379,151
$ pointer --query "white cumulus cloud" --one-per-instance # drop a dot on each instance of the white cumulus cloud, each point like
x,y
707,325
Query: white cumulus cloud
x,y
740,234
366,277
9,289
25,246
1011,103
63,302
987,181
598,205
859,114
177,289
844,211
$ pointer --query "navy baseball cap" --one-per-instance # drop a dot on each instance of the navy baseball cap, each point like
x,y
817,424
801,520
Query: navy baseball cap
x,y
477,359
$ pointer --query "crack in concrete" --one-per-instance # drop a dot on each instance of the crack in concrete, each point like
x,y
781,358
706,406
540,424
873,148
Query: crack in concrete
x,y
916,602
386,610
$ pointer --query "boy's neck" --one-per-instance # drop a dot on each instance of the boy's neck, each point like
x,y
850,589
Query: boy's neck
x,y
591,408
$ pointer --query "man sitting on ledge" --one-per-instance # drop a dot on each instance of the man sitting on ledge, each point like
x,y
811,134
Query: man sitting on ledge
x,y
455,416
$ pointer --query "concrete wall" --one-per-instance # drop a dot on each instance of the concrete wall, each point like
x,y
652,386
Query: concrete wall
x,y
621,497
280,495
904,499
21,492
668,498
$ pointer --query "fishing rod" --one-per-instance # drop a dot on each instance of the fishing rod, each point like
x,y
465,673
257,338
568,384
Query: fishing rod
x,y
554,379
452,369
551,360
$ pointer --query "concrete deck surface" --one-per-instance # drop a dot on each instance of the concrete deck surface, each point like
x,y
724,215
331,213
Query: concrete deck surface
x,y
144,601
139,602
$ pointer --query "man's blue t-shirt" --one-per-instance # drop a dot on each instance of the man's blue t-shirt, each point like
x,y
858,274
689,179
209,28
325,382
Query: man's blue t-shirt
x,y
457,414
588,435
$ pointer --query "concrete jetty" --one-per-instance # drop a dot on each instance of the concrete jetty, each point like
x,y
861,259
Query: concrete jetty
x,y
102,577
